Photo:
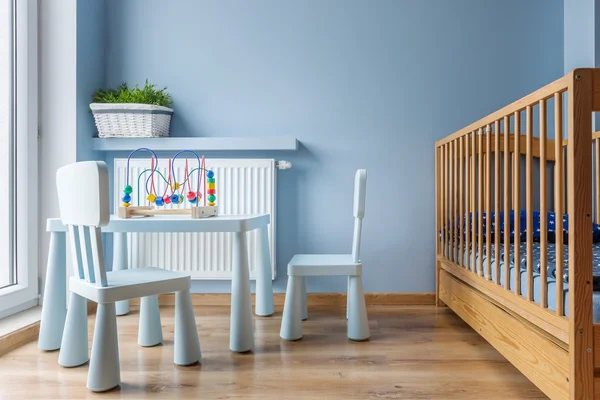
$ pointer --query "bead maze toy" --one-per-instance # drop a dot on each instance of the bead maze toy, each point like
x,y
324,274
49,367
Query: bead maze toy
x,y
173,193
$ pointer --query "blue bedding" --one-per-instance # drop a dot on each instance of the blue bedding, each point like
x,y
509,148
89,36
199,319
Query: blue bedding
x,y
536,222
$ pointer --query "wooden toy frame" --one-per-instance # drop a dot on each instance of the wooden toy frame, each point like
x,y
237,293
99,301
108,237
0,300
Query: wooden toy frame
x,y
150,211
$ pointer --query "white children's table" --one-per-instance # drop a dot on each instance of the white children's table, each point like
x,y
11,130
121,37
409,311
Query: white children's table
x,y
241,329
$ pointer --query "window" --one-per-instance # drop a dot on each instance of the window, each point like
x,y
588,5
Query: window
x,y
18,155
7,273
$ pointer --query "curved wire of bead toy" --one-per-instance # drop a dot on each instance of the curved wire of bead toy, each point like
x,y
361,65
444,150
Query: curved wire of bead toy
x,y
191,196
171,183
128,189
168,184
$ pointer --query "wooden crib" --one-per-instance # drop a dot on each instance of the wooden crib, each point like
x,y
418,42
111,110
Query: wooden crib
x,y
477,172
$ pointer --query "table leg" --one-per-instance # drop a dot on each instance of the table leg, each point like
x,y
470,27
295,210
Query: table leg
x,y
120,261
54,309
241,337
264,283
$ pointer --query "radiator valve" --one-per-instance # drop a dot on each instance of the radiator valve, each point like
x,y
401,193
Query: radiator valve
x,y
283,164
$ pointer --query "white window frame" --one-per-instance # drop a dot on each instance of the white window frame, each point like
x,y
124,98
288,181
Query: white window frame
x,y
25,294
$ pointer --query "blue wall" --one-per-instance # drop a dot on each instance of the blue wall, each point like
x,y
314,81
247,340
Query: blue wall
x,y
91,72
359,83
580,34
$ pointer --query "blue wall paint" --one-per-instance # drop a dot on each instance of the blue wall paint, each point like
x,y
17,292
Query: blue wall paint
x,y
579,34
91,72
582,36
360,84
596,33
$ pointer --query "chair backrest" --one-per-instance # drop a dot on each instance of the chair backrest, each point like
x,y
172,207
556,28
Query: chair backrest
x,y
360,194
84,208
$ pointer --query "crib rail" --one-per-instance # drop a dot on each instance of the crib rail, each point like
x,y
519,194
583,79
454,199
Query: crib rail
x,y
480,179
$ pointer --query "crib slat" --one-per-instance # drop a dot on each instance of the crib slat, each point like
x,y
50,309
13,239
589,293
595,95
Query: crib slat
x,y
529,199
506,202
517,203
468,263
444,196
451,203
488,207
480,174
455,202
558,202
497,175
448,240
437,208
461,200
543,210
597,184
473,203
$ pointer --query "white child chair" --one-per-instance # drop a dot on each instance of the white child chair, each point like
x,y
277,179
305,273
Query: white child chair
x,y
349,265
83,201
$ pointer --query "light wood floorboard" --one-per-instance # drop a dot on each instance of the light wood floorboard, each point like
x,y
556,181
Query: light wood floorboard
x,y
415,352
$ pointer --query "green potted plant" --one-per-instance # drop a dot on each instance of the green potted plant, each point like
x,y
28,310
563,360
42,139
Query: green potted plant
x,y
127,112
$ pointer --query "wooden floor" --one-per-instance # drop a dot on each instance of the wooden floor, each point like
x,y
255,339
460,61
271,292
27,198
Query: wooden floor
x,y
415,352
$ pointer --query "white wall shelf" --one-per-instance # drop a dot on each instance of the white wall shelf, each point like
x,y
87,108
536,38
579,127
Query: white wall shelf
x,y
197,143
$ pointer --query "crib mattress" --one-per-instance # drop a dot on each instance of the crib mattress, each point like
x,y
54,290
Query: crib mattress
x,y
551,260
551,276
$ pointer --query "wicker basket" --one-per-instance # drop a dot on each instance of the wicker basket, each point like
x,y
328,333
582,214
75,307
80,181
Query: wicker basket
x,y
131,120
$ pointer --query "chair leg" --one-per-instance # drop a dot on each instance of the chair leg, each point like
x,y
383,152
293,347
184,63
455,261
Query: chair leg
x,y
187,344
304,305
104,373
120,262
55,294
291,323
358,322
74,346
348,298
149,328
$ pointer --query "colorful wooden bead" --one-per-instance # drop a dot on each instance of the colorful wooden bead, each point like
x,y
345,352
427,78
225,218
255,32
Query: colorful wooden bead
x,y
179,198
167,200
211,198
159,201
191,195
175,198
211,191
128,189
125,204
175,186
210,203
126,198
210,174
151,197
210,185
210,180
194,200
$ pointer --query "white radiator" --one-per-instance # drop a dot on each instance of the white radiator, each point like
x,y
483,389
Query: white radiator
x,y
243,186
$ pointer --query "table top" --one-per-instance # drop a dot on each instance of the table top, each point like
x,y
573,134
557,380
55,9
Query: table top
x,y
224,223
